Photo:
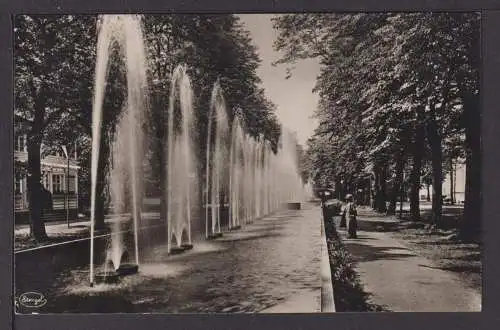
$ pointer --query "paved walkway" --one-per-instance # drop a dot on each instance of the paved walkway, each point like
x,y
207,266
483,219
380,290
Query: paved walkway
x,y
76,226
400,280
270,266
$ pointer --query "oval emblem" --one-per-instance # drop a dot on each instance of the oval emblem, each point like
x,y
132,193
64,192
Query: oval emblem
x,y
32,299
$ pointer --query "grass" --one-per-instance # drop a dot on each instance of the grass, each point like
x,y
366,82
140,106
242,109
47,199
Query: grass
x,y
442,245
451,216
25,241
445,250
348,291
59,234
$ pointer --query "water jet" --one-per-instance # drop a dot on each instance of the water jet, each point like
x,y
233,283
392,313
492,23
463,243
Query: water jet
x,y
126,32
180,167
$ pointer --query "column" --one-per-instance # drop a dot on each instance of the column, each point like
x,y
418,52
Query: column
x,y
49,176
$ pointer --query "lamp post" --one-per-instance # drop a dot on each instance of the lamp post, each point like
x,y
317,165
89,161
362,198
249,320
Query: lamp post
x,y
402,197
370,191
66,194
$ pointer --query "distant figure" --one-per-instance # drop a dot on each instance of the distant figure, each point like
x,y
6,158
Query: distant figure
x,y
323,197
343,220
350,213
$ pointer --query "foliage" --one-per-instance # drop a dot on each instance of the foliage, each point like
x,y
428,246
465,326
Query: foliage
x,y
384,75
54,76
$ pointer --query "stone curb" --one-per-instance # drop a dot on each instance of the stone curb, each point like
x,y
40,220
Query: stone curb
x,y
327,300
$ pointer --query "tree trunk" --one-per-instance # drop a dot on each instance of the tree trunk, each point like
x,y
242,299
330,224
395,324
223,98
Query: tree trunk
x,y
471,226
417,153
35,196
163,186
375,187
381,196
402,196
338,187
159,154
435,142
428,192
371,193
452,179
396,188
382,206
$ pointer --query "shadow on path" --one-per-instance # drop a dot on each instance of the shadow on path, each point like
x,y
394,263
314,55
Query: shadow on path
x,y
365,253
457,269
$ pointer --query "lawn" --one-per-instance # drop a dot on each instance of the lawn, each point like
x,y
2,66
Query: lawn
x,y
445,250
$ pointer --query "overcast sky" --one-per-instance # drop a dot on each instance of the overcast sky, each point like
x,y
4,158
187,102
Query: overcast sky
x,y
293,97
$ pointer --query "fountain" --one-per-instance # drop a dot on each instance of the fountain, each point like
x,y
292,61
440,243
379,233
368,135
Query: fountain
x,y
289,163
124,30
181,177
216,159
236,180
246,171
244,175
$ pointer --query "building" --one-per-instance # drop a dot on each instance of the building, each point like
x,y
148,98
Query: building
x,y
458,185
59,176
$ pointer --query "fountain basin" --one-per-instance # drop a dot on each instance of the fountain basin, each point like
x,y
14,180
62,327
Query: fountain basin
x,y
187,246
108,277
293,206
176,250
127,269
214,236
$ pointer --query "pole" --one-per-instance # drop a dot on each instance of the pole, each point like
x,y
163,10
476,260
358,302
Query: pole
x,y
370,191
67,193
402,195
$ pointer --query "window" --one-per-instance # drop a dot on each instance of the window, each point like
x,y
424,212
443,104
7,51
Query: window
x,y
46,181
57,186
21,143
18,185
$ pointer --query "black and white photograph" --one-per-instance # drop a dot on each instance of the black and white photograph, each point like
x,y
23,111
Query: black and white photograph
x,y
247,163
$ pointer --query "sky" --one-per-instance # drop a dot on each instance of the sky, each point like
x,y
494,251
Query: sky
x,y
293,97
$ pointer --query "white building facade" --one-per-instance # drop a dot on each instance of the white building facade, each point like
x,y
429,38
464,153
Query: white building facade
x,y
59,177
452,183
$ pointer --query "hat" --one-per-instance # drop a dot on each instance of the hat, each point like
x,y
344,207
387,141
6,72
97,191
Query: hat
x,y
348,196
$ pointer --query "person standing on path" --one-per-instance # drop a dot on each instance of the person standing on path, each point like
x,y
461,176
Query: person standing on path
x,y
343,220
351,213
323,195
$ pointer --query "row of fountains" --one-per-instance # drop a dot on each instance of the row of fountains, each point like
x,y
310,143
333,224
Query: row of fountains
x,y
243,175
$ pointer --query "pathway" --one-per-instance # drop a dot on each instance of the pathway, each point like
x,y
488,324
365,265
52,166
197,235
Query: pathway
x,y
400,280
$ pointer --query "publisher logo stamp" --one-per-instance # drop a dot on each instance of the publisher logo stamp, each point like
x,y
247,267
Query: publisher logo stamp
x,y
32,300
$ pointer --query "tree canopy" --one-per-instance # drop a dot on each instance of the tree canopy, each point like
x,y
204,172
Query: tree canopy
x,y
395,89
54,77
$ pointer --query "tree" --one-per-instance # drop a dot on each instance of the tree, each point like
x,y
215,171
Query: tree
x,y
391,82
46,87
214,48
